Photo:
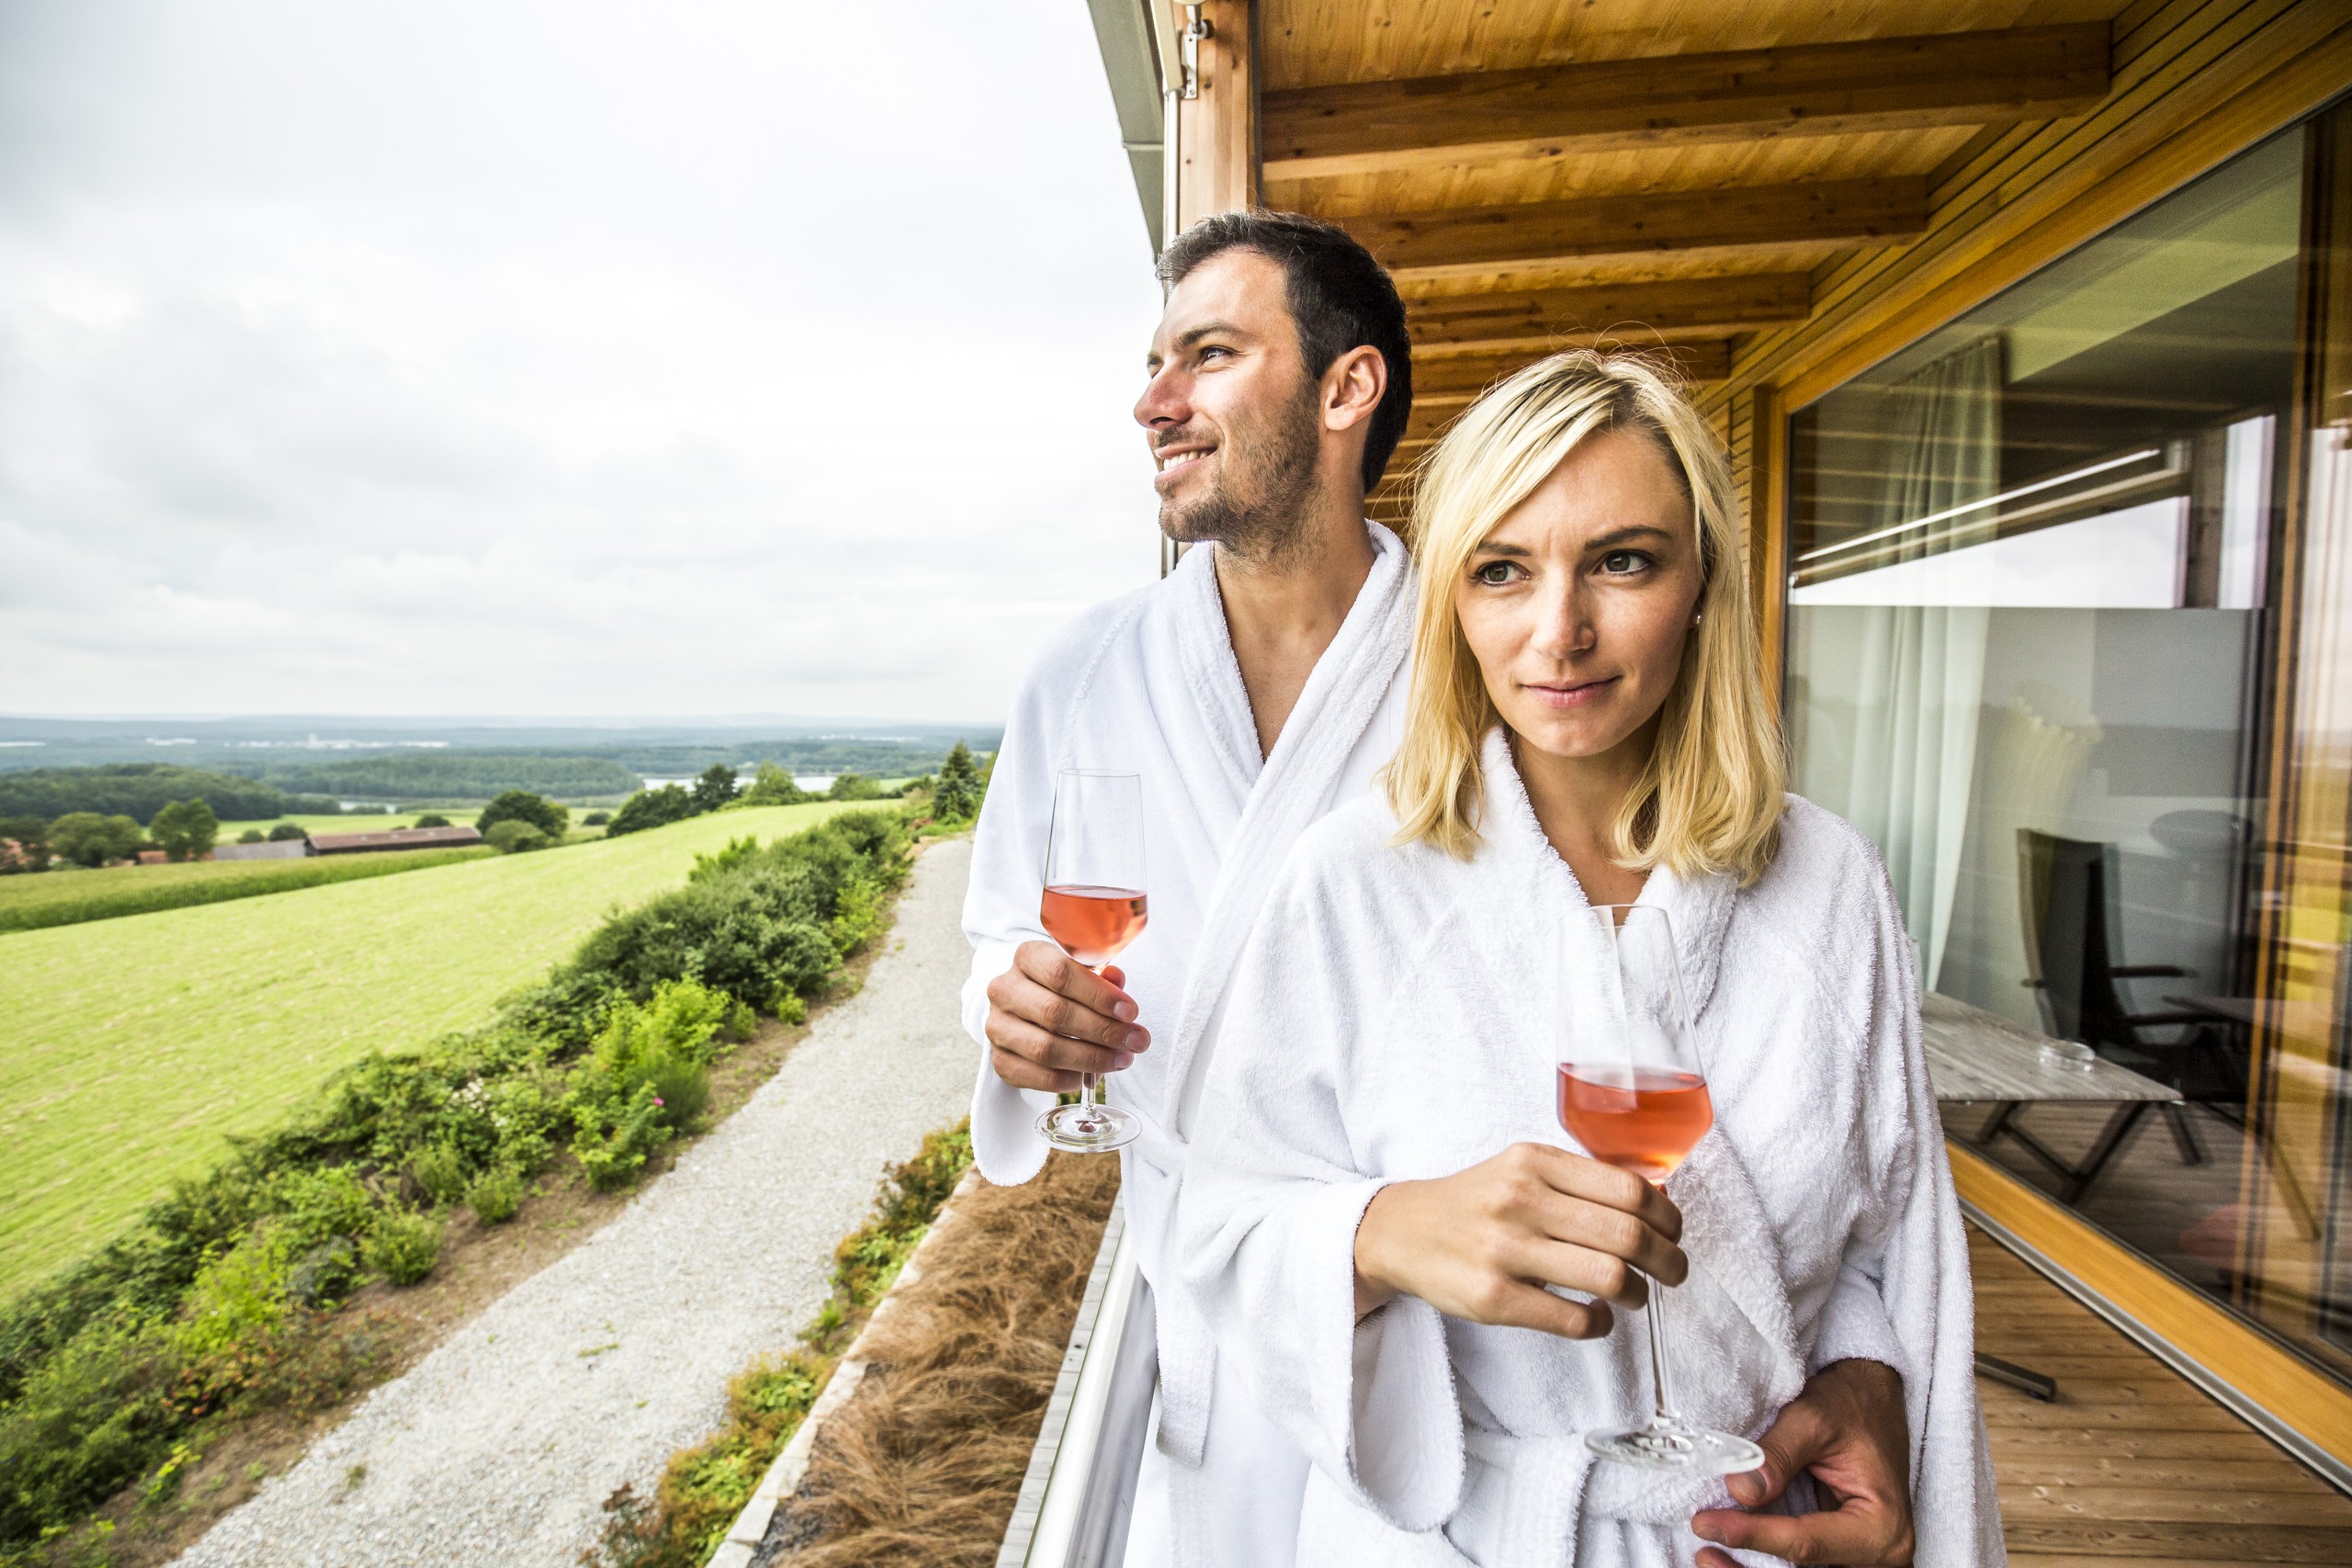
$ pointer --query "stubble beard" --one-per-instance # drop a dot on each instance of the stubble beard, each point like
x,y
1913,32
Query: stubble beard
x,y
1264,520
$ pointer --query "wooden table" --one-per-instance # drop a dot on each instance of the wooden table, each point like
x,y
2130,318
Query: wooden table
x,y
1981,1058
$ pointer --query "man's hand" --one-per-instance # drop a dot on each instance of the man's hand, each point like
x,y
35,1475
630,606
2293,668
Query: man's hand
x,y
1051,1018
1847,1428
1482,1245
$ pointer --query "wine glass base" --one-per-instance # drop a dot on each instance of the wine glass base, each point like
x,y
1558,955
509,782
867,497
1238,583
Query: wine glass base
x,y
1088,1129
1670,1445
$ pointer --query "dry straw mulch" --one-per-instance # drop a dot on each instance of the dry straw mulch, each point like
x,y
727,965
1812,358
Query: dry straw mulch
x,y
923,1464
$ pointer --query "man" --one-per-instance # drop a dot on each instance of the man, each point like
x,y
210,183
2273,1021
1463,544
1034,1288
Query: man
x,y
1254,689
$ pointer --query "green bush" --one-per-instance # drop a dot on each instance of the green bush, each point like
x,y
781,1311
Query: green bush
x,y
89,1420
286,832
773,786
595,819
431,819
650,809
514,836
495,1194
856,787
956,797
715,788
440,1171
253,836
404,1246
238,1298
522,805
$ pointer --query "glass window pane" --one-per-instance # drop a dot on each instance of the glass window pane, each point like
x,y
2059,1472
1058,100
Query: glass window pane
x,y
2035,651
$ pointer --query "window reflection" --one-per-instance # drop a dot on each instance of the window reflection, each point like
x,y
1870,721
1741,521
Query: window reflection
x,y
2037,651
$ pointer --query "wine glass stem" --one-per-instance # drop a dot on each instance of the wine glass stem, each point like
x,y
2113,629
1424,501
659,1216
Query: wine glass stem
x,y
1659,1383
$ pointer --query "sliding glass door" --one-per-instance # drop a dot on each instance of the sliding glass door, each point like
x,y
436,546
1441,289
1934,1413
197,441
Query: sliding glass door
x,y
2070,636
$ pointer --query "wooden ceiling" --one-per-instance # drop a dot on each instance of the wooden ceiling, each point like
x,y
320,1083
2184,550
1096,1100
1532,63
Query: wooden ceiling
x,y
1656,174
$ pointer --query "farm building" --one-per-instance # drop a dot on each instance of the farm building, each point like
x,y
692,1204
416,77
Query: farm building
x,y
392,839
2028,324
278,848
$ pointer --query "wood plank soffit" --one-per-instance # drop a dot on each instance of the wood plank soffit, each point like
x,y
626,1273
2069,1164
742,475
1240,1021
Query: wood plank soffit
x,y
1460,379
1536,318
1735,218
1966,78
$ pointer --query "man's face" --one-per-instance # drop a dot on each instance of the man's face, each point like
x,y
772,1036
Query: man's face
x,y
1231,414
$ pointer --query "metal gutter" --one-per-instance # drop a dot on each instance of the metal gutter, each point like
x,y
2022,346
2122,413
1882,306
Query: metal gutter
x,y
1125,33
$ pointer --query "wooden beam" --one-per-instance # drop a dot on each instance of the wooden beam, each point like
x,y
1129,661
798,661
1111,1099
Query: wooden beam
x,y
1542,318
1970,78
1450,382
1216,133
1729,218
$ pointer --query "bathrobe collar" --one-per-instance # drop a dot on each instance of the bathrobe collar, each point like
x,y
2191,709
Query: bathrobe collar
x,y
1700,909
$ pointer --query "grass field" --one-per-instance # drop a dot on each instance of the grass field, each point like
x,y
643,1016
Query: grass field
x,y
135,1045
66,897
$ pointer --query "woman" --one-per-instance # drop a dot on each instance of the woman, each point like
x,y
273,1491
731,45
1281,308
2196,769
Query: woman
x,y
1380,1193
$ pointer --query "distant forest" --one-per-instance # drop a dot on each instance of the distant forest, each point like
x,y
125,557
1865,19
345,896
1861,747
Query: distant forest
x,y
138,790
880,758
454,775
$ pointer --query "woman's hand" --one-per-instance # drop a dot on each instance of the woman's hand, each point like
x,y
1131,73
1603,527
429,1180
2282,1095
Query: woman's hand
x,y
1482,1246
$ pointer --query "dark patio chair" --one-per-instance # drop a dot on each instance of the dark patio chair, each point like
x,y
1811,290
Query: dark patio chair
x,y
2066,890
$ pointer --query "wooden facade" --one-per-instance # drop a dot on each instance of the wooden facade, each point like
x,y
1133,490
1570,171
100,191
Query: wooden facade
x,y
1775,196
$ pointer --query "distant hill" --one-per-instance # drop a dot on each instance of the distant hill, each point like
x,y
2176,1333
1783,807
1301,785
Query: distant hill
x,y
453,775
137,789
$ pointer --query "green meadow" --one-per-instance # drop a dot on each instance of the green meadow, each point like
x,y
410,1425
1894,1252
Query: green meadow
x,y
64,897
136,1045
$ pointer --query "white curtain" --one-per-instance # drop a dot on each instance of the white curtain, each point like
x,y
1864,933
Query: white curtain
x,y
1922,667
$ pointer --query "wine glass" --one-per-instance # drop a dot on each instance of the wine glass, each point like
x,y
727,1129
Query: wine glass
x,y
1093,905
1633,1092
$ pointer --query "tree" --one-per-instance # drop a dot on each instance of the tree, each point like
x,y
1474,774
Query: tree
x,y
956,796
431,819
595,818
185,830
286,831
88,839
651,808
253,836
522,805
856,787
715,788
30,836
773,786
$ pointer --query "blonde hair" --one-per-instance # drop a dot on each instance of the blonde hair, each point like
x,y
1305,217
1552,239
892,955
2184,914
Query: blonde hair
x,y
1711,796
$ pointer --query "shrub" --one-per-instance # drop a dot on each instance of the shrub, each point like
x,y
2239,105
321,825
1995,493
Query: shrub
x,y
440,1171
286,831
431,819
315,1205
238,1298
404,1246
856,787
522,805
89,1420
515,838
495,1194
185,830
31,837
253,836
738,852
595,818
651,808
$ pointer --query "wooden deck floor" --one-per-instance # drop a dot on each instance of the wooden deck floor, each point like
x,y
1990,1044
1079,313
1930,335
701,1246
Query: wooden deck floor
x,y
2131,1463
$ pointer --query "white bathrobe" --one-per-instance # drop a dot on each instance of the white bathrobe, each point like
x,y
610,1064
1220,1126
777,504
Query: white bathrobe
x,y
1392,1019
1147,683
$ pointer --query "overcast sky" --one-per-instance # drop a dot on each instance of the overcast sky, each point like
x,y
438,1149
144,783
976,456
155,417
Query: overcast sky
x,y
564,358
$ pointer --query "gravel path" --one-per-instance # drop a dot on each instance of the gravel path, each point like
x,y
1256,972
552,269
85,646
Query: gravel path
x,y
499,1449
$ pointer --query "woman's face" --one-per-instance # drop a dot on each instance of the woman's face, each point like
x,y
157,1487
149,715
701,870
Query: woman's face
x,y
1578,604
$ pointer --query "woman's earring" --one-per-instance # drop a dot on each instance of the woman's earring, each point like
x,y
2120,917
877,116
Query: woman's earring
x,y
1698,617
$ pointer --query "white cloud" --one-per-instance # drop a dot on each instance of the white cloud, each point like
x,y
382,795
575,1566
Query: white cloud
x,y
566,358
